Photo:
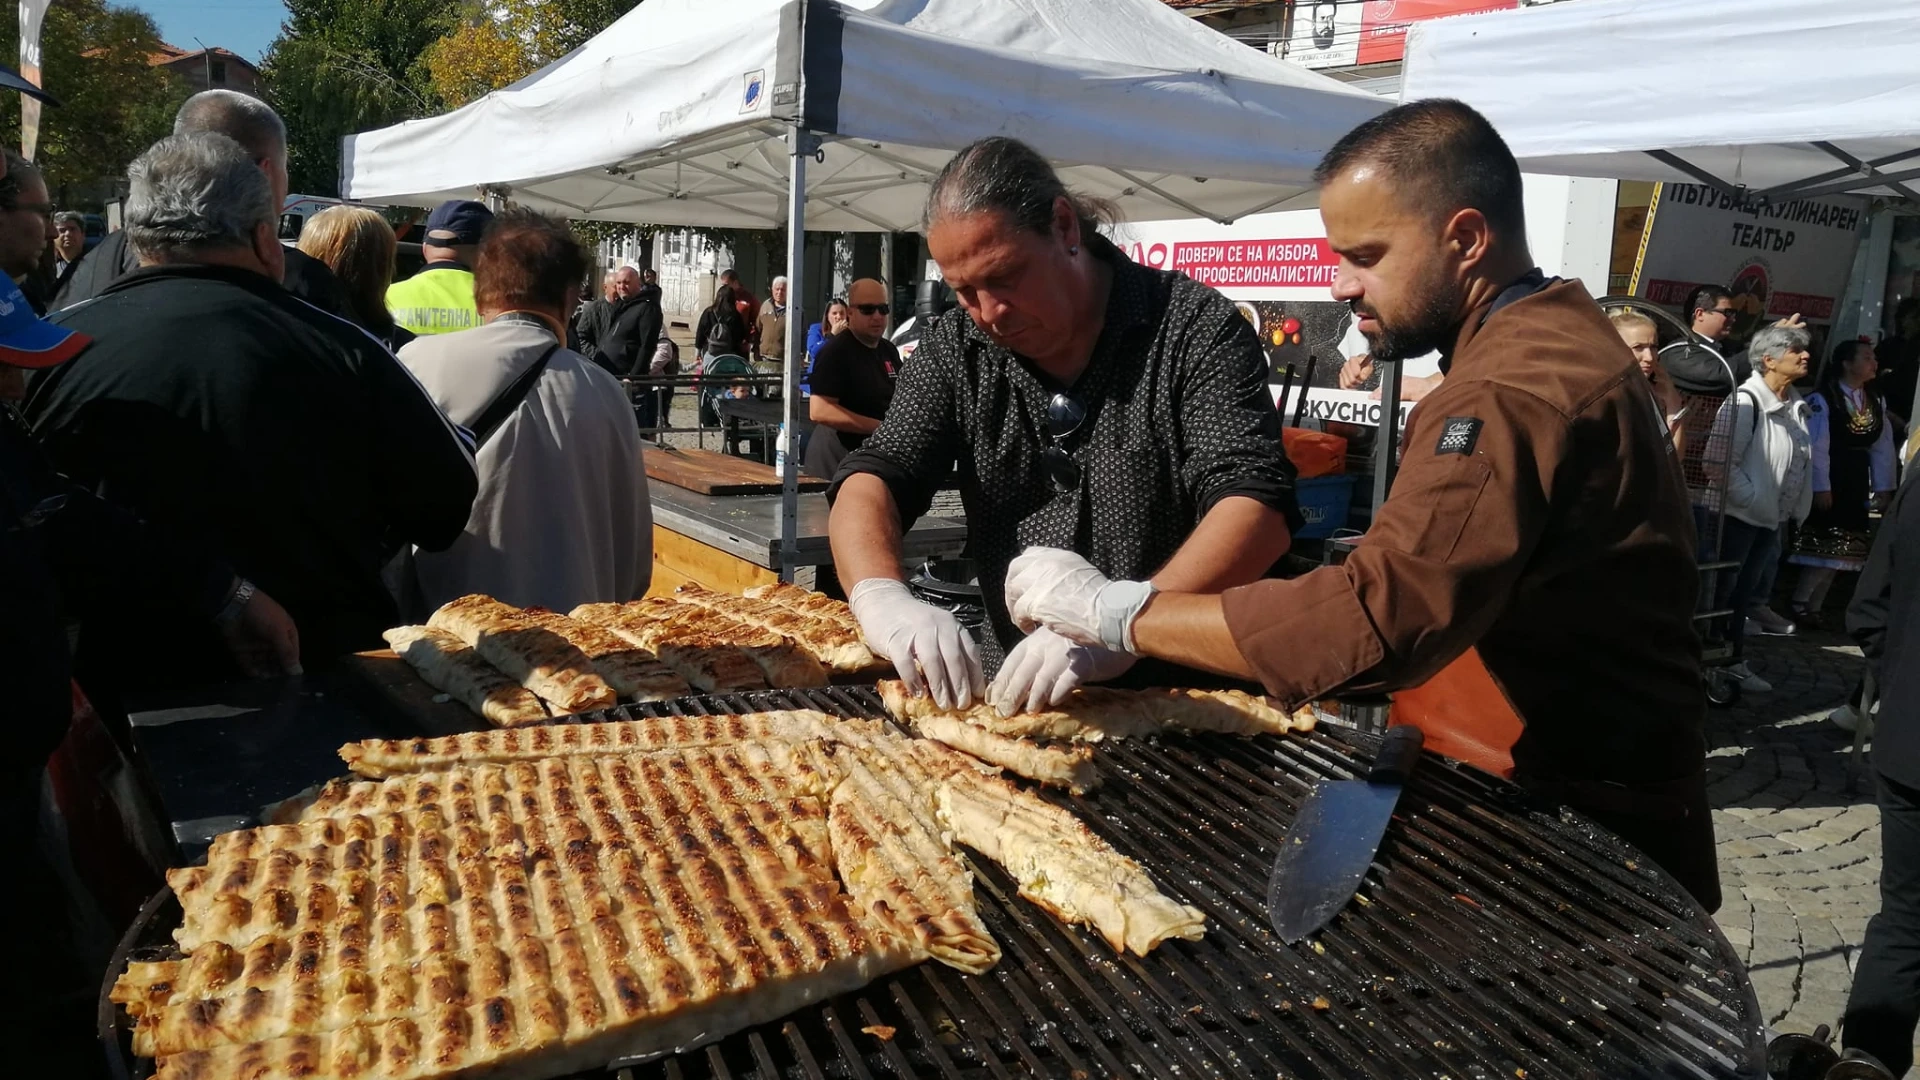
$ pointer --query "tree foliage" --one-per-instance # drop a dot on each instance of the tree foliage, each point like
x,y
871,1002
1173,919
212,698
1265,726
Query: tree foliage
x,y
502,41
345,66
113,101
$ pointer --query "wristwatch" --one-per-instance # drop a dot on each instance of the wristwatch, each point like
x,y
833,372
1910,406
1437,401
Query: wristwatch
x,y
236,604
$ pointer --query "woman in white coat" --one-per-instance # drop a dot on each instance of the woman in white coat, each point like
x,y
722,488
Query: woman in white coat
x,y
1770,479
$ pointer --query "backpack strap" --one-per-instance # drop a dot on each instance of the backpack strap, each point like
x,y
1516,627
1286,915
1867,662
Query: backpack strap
x,y
509,400
1757,414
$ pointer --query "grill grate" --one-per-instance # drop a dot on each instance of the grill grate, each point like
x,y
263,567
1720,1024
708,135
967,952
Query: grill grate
x,y
1502,942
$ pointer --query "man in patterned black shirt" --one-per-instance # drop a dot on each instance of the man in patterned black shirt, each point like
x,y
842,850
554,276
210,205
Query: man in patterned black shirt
x,y
1086,402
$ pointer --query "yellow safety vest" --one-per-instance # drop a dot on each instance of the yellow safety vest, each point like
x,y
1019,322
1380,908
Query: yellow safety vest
x,y
437,300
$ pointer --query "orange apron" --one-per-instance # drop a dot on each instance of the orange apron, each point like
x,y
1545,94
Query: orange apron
x,y
1463,715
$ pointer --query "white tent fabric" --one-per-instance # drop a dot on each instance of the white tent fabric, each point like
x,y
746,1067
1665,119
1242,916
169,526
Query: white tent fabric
x,y
1782,98
678,114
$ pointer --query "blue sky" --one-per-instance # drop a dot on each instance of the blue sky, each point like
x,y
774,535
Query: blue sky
x,y
245,26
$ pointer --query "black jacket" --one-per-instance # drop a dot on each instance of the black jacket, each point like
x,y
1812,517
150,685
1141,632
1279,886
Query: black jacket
x,y
65,552
580,330
216,405
1884,618
1694,370
720,333
113,258
622,334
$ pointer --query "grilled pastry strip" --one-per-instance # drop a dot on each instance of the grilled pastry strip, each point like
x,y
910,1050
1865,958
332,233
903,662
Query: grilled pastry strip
x,y
901,872
1068,767
543,661
784,661
712,665
525,919
451,665
145,986
795,598
389,757
633,672
835,645
1095,713
791,768
1062,865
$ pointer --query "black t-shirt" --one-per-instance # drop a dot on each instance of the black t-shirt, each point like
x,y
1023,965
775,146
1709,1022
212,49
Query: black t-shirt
x,y
858,376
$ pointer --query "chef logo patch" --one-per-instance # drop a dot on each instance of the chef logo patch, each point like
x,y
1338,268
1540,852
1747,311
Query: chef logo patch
x,y
1459,435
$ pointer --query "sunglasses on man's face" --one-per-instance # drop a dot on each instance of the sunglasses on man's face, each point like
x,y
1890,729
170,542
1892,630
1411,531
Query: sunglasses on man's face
x,y
1725,312
873,309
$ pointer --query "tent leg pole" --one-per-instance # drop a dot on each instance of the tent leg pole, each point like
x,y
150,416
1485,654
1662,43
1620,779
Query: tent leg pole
x,y
801,145
1388,440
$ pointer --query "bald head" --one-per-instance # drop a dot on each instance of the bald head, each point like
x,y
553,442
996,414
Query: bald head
x,y
869,325
246,120
626,282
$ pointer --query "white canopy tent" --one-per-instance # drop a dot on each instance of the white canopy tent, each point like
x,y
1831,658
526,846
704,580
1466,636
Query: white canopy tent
x,y
679,113
836,116
1767,99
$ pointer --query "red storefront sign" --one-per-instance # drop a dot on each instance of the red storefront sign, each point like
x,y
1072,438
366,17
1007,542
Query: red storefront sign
x,y
1383,23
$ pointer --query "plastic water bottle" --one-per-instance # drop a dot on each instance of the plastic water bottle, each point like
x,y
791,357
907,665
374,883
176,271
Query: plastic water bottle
x,y
780,451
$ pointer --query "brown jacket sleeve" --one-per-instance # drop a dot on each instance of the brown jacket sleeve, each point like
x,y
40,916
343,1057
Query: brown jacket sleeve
x,y
1468,509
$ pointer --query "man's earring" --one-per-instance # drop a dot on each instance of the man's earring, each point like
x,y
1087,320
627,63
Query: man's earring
x,y
1074,250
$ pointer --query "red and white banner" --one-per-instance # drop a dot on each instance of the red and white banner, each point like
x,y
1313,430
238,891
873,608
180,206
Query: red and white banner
x,y
1383,23
1279,271
1343,33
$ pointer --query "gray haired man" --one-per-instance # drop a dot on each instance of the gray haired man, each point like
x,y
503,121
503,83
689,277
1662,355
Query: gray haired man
x,y
770,329
69,244
214,403
254,125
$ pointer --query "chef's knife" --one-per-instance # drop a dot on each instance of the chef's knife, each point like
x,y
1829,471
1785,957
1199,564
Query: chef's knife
x,y
1334,837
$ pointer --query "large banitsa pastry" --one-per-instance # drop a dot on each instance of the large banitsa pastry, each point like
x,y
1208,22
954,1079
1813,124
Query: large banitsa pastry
x,y
521,920
544,662
527,902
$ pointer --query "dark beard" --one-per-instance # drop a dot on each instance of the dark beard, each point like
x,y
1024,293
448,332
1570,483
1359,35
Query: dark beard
x,y
1430,327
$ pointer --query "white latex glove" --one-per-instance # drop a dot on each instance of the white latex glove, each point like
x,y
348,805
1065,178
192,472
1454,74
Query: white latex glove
x,y
1043,669
1066,594
929,648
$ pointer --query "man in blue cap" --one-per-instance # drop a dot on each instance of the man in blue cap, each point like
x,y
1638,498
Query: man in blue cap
x,y
439,299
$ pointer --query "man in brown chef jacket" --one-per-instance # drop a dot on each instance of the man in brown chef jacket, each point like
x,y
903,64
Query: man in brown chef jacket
x,y
1538,515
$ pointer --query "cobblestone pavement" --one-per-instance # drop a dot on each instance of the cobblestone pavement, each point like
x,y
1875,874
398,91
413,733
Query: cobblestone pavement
x,y
1799,841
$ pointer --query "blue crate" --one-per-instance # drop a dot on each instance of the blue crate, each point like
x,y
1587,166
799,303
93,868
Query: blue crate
x,y
1324,501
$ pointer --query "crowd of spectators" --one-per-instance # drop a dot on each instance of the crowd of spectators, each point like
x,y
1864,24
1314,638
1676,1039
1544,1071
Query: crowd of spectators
x,y
214,467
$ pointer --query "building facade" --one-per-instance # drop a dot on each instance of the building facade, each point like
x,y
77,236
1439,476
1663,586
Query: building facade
x,y
209,69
